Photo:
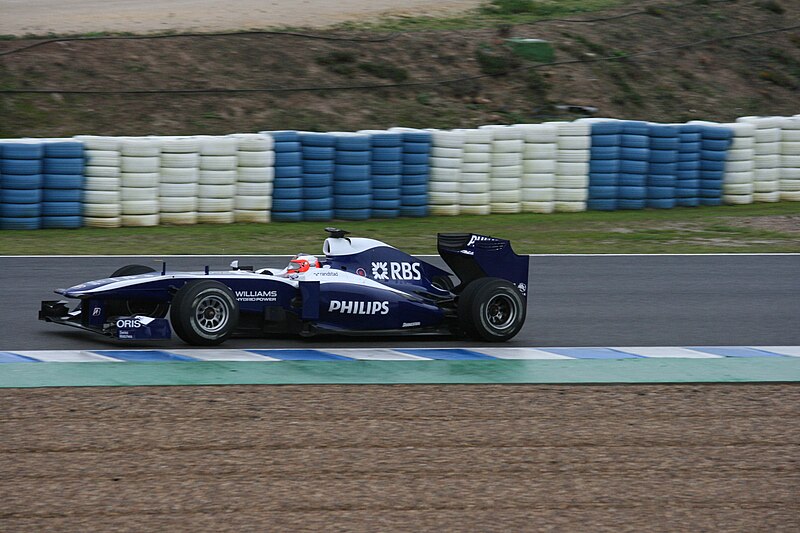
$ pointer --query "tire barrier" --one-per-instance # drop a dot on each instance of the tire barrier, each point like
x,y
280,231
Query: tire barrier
x,y
598,164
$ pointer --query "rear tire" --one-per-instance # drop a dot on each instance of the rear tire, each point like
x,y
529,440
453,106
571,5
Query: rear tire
x,y
491,309
204,313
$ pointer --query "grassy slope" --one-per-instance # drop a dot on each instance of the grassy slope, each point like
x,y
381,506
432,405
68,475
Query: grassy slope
x,y
755,228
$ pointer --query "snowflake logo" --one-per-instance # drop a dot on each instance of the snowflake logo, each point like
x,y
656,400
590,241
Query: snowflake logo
x,y
380,270
522,288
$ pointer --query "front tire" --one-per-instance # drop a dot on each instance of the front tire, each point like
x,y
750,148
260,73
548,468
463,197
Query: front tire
x,y
135,307
204,313
491,309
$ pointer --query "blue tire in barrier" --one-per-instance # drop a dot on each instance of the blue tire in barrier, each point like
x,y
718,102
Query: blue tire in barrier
x,y
387,153
62,195
317,204
416,159
661,193
387,181
636,127
352,187
288,159
717,133
604,166
416,148
62,222
286,216
317,215
386,167
713,155
604,152
688,202
632,180
20,222
710,201
318,166
63,149
611,127
665,143
663,156
287,205
385,213
712,185
413,200
20,196
415,169
386,204
601,204
386,140
352,201
287,146
20,210
628,203
634,141
62,165
287,193
634,154
351,172
661,203
633,167
319,152
386,194
24,150
62,181
356,143
289,183
282,136
416,137
9,181
597,179
597,192
658,180
317,180
407,210
288,172
632,193
351,214
311,138
415,179
413,190
662,131
605,141
310,193
21,167
348,157
668,169
61,209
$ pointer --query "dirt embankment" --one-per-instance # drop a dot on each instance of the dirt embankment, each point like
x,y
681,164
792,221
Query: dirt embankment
x,y
719,80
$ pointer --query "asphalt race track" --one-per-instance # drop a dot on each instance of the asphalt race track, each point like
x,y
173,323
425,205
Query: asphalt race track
x,y
699,300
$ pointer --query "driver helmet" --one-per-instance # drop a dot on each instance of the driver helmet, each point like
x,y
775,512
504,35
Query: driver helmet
x,y
301,263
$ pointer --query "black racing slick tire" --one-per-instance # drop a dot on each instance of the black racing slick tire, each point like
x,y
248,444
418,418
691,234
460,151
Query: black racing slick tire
x,y
491,309
132,270
204,313
134,307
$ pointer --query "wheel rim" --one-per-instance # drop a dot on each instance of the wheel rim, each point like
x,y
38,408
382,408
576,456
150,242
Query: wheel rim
x,y
500,311
211,313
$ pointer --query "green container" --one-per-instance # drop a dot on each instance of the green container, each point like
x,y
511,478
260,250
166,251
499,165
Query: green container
x,y
532,49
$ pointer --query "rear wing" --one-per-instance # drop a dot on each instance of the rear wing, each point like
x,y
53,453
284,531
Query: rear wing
x,y
472,256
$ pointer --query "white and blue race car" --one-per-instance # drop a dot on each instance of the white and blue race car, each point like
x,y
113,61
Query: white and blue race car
x,y
360,287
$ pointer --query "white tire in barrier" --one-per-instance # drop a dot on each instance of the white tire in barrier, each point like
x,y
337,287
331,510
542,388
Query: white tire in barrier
x,y
255,174
170,160
102,210
246,188
217,177
482,209
739,177
572,169
442,198
140,221
540,151
790,148
180,175
140,164
443,186
138,147
767,174
102,158
216,191
140,179
790,161
219,162
138,193
762,122
92,183
790,185
174,204
505,208
444,162
737,199
474,177
572,181
766,186
214,205
742,154
767,161
476,168
256,159
739,166
538,207
102,172
508,147
477,157
767,149
102,222
474,187
503,133
447,139
444,174
261,216
179,145
742,129
505,184
139,207
252,203
790,196
179,219
573,128
768,135
774,196
438,151
569,207
790,135
539,166
506,159
737,188
178,190
790,174
573,156
472,199
476,137
218,146
101,197
538,195
570,142
512,171
443,210
474,148
571,195
742,143
545,181
94,142
505,196
538,133
253,142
